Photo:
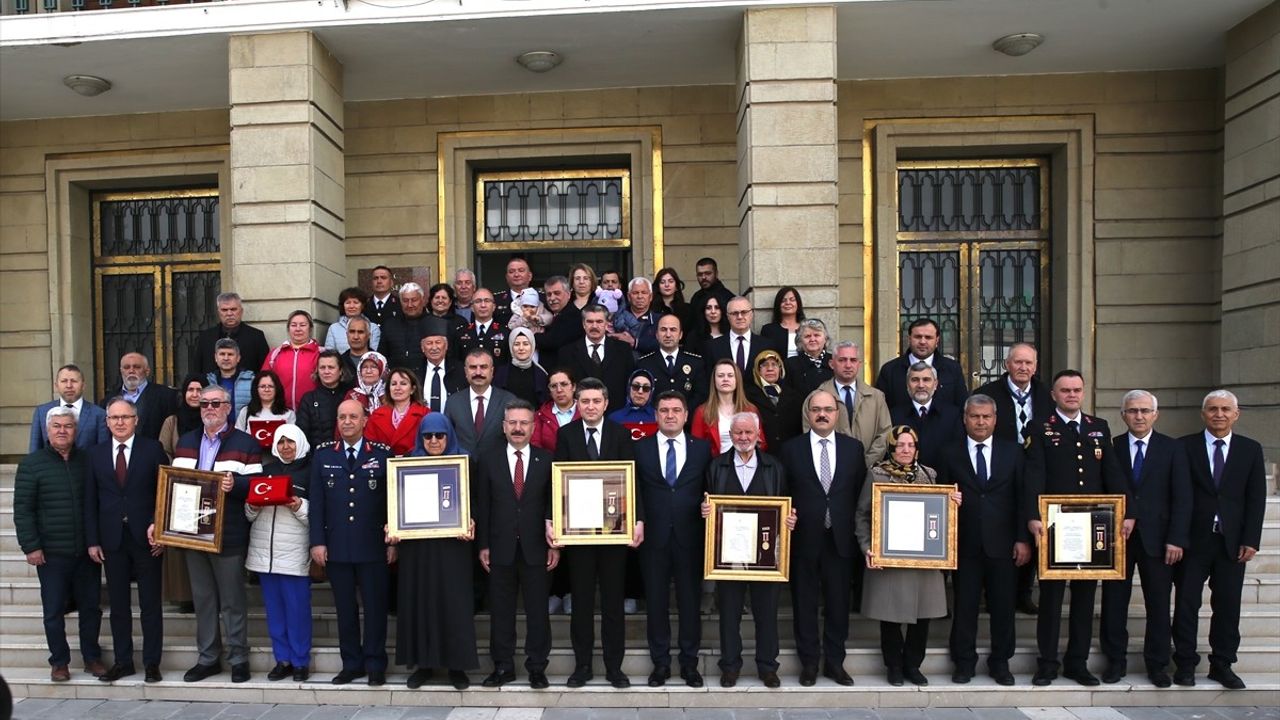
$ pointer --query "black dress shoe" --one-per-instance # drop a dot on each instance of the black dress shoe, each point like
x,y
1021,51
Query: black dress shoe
x,y
961,676
728,678
200,672
151,674
1185,677
1002,676
538,681
240,672
580,677
1226,677
1027,606
1113,674
770,680
281,671
618,680
459,680
894,676
1159,678
1082,676
301,673
659,676
808,676
347,676
915,676
837,674
498,678
418,678
1044,676
691,677
117,671
377,678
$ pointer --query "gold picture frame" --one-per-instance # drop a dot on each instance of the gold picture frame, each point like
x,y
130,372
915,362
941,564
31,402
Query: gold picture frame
x,y
593,503
189,509
428,497
747,539
1082,537
914,526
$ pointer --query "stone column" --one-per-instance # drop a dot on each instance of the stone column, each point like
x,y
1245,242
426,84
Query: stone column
x,y
288,177
787,157
1251,225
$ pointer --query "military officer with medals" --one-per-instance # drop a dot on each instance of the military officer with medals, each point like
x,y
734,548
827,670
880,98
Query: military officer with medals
x,y
484,331
1070,453
673,368
348,514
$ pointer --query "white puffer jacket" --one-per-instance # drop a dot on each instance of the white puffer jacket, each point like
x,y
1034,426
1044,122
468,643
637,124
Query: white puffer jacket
x,y
279,539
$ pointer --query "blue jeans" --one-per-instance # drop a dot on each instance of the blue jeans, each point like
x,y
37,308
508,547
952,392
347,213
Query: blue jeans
x,y
63,577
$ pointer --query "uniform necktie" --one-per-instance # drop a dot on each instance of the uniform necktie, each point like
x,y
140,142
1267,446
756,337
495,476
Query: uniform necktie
x,y
435,390
351,457
670,473
593,450
848,404
484,330
1138,459
379,303
742,353
824,476
479,415
1075,428
517,480
595,353
980,464
671,364
1023,430
122,468
1219,459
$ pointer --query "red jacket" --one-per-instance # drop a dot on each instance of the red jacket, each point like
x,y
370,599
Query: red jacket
x,y
545,426
296,367
711,433
401,439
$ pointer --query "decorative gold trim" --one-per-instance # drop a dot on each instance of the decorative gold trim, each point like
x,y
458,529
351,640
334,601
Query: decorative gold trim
x,y
558,495
441,253
783,571
1118,565
394,465
659,227
96,241
878,491
870,357
168,474
479,209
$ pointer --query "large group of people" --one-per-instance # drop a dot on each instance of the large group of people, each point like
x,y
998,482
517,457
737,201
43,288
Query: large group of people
x,y
589,369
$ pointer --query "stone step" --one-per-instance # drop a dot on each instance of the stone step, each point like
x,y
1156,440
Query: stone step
x,y
869,690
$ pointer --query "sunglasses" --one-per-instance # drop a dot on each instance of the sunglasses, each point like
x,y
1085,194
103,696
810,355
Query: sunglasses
x,y
638,387
212,403
435,436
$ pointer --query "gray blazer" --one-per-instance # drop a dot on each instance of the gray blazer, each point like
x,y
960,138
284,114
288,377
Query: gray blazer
x,y
460,412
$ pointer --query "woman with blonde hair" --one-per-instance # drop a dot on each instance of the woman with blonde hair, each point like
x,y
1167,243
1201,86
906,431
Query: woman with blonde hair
x,y
728,398
582,285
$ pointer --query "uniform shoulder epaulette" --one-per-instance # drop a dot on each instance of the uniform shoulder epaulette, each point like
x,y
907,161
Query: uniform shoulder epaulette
x,y
327,445
648,355
692,354
379,446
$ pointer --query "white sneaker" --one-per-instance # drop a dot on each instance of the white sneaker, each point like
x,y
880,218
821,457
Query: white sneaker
x,y
554,605
630,606
568,603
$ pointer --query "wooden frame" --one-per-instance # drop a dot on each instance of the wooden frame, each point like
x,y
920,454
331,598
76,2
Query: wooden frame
x,y
614,483
189,507
769,545
930,541
1098,535
428,497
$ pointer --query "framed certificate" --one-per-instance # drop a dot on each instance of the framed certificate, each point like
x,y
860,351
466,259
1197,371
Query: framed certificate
x,y
1082,538
593,503
189,509
429,497
913,526
747,539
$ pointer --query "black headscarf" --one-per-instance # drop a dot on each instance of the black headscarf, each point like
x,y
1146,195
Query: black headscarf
x,y
188,417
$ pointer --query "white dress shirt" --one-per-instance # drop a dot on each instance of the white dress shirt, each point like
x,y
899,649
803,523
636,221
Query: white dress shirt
x,y
972,446
128,449
1209,440
75,406
815,446
525,454
681,451
1146,448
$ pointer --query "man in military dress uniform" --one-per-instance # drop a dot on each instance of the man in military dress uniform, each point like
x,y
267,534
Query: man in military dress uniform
x,y
673,368
484,331
348,512
1070,453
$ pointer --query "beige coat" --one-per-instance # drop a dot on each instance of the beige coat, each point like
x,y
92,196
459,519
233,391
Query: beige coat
x,y
897,595
870,418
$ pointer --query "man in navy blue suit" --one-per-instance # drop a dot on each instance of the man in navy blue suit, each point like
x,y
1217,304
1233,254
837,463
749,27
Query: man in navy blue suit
x,y
923,335
91,420
670,469
937,424
1160,492
119,508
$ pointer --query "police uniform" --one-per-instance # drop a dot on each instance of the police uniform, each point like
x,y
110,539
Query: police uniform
x,y
347,514
1068,461
494,340
688,374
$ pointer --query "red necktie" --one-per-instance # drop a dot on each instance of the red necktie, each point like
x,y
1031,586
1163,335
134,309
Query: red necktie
x,y
518,479
479,415
121,467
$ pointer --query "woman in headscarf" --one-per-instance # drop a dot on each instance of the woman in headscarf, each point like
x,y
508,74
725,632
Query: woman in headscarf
x,y
779,404
900,596
280,552
522,377
638,416
435,627
177,584
370,382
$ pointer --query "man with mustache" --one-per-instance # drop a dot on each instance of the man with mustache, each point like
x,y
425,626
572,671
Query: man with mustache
x,y
476,411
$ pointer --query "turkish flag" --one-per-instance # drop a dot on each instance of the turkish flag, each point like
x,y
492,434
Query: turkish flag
x,y
264,431
270,490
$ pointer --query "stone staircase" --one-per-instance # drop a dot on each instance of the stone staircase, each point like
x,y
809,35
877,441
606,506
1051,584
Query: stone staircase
x,y
23,658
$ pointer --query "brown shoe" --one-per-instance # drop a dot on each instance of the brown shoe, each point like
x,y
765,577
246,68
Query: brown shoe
x,y
59,673
95,668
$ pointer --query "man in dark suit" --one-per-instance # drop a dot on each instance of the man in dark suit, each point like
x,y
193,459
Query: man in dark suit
x,y
1070,453
477,411
1228,503
91,420
152,401
119,507
740,344
252,341
937,424
1022,403
566,322
744,470
993,541
1160,490
592,438
923,335
673,368
670,470
511,501
827,471
402,335
383,303
599,356
442,375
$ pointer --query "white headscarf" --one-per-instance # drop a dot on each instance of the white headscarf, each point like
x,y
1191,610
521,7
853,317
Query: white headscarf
x,y
294,433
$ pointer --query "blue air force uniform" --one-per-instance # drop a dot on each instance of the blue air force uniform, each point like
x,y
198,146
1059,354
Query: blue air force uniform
x,y
347,514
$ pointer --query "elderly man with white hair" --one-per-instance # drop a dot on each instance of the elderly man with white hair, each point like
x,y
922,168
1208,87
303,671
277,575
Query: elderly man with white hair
x,y
403,336
637,324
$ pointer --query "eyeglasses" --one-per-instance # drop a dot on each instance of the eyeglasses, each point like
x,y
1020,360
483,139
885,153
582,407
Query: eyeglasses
x,y
639,387
739,313
120,418
435,436
213,403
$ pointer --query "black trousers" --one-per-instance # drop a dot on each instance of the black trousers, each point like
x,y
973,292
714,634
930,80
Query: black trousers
x,y
996,577
827,575
367,652
604,566
1157,585
904,652
661,566
134,560
63,577
764,611
1079,624
1216,564
532,582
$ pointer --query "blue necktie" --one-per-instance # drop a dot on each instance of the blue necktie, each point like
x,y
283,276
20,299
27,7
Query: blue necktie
x,y
1219,459
848,404
1138,459
670,474
980,464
